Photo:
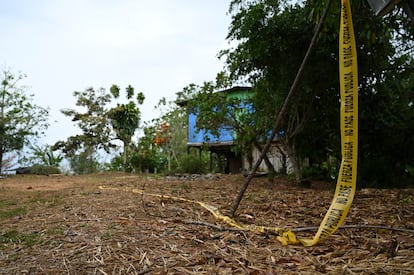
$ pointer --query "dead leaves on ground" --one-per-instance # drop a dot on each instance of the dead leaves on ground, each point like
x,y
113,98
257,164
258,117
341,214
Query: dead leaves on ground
x,y
81,229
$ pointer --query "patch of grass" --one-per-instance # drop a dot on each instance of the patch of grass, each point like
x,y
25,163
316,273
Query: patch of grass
x,y
404,199
15,237
47,202
107,235
250,197
55,231
4,203
9,213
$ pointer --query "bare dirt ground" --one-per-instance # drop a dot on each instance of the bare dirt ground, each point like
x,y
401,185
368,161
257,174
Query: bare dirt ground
x,y
69,225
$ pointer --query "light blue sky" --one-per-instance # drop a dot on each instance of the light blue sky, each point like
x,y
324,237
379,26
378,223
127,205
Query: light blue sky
x,y
157,46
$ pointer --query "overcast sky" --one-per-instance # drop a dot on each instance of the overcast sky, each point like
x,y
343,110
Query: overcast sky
x,y
157,46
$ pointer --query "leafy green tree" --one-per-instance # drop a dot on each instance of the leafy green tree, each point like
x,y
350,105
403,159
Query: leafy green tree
x,y
84,162
275,37
43,155
96,131
272,39
174,117
101,125
20,119
147,156
125,118
387,127
217,110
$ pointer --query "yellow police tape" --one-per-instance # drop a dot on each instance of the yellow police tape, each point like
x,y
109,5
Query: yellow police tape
x,y
346,185
284,236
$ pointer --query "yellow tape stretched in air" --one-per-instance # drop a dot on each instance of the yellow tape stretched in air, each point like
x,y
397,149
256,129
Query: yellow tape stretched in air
x,y
346,185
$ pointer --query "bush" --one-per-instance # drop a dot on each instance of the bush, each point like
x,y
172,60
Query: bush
x,y
192,165
83,163
39,169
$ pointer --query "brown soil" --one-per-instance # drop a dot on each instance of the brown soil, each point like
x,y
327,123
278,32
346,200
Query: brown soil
x,y
69,225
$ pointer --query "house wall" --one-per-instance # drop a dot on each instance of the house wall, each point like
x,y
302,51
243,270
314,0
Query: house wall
x,y
275,157
226,134
196,136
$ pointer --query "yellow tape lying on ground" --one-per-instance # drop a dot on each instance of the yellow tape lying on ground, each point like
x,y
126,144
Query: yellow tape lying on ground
x,y
346,185
283,235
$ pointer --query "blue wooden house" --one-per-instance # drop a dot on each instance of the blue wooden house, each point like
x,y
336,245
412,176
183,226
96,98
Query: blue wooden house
x,y
220,146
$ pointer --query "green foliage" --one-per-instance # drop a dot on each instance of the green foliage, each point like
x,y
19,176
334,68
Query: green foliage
x,y
169,152
84,163
272,38
20,119
40,169
193,165
386,127
15,237
100,126
42,155
92,122
125,120
115,90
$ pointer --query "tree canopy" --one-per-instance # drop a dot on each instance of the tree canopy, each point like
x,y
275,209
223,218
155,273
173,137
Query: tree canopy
x,y
20,119
272,37
101,124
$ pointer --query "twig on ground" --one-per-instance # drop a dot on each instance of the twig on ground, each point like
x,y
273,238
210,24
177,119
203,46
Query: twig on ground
x,y
301,229
146,210
357,226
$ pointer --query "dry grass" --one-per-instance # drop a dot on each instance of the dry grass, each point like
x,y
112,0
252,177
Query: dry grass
x,y
68,225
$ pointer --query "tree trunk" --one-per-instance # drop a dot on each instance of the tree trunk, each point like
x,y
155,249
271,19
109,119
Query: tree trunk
x,y
284,165
2,127
124,160
1,157
291,153
269,164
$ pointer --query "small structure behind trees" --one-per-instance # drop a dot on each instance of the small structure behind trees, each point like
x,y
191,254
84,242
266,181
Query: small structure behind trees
x,y
221,122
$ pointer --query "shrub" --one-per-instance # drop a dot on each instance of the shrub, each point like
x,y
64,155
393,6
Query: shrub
x,y
192,165
39,169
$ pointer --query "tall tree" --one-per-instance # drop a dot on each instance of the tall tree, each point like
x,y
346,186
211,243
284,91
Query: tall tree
x,y
20,118
96,131
272,38
101,124
172,128
125,118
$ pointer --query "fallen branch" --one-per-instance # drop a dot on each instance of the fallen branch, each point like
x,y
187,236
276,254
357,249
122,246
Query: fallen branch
x,y
357,226
214,226
301,229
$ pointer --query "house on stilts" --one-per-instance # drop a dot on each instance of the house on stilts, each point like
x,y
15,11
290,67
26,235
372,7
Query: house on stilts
x,y
221,147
